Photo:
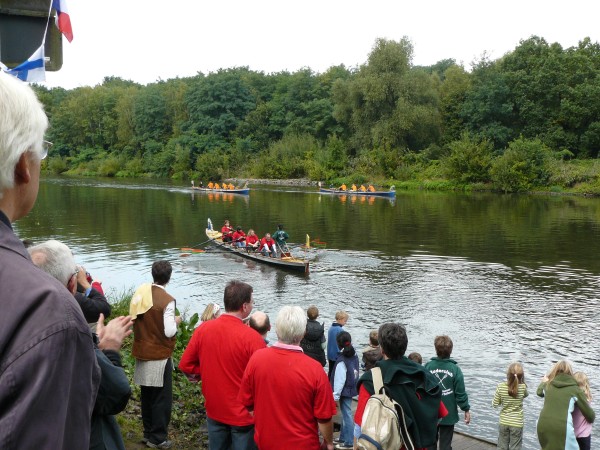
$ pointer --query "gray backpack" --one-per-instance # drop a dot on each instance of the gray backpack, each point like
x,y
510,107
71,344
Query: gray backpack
x,y
383,425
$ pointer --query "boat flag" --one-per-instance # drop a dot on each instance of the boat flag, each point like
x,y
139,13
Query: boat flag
x,y
63,20
33,69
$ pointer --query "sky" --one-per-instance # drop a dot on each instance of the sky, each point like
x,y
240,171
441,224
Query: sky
x,y
148,40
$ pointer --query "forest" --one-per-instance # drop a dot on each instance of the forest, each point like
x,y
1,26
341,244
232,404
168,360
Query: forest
x,y
527,121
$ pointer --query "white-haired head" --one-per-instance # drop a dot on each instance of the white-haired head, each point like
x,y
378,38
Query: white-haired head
x,y
54,258
22,126
291,325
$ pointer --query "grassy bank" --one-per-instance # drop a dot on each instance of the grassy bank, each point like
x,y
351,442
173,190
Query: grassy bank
x,y
188,415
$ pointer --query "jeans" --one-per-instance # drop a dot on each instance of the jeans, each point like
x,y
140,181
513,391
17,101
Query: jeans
x,y
347,428
510,438
228,437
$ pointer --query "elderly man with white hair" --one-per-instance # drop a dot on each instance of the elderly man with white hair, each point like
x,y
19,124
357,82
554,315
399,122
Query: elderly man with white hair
x,y
288,391
56,259
48,371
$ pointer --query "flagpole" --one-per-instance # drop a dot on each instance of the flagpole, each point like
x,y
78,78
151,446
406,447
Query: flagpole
x,y
47,23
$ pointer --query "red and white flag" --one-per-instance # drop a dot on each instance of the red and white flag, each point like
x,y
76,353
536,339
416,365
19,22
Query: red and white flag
x,y
63,21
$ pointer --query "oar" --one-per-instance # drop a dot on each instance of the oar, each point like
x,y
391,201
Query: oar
x,y
193,249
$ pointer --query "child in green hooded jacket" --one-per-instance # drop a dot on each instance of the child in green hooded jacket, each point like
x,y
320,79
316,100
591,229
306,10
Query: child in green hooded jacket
x,y
454,395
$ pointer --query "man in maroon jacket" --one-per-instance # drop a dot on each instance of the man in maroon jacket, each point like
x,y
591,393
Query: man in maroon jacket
x,y
48,371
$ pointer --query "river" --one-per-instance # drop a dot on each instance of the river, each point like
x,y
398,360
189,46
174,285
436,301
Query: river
x,y
508,277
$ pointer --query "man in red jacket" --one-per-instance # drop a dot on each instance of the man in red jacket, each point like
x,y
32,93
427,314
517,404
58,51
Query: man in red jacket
x,y
218,354
268,246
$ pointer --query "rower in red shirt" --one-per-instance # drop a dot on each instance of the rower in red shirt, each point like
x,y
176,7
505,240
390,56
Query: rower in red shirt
x,y
252,240
268,246
239,237
227,232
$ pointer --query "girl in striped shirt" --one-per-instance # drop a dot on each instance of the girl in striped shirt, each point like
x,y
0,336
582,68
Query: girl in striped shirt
x,y
510,395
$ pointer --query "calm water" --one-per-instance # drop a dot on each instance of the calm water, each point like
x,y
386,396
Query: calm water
x,y
507,277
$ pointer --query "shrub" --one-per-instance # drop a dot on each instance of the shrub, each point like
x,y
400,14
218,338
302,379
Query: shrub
x,y
523,165
470,159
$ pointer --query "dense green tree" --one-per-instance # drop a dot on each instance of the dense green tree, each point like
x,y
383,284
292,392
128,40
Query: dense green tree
x,y
386,104
488,110
218,103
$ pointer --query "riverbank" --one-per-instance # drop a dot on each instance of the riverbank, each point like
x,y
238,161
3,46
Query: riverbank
x,y
305,182
188,430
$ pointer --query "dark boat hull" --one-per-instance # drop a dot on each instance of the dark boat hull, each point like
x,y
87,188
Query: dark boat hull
x,y
387,194
288,263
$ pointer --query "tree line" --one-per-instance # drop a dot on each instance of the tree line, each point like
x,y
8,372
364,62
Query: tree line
x,y
530,119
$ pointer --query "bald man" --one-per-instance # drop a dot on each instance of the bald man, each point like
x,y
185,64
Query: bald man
x,y
259,321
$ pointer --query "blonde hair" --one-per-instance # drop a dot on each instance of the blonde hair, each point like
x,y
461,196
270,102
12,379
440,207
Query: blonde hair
x,y
212,311
515,375
584,384
341,315
562,366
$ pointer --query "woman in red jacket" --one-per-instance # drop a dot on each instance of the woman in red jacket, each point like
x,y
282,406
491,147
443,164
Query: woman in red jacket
x,y
252,240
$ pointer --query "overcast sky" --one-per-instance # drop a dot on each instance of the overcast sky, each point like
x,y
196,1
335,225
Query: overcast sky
x,y
147,40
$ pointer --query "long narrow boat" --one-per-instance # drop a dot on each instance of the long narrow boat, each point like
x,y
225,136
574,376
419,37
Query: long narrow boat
x,y
241,191
389,194
284,262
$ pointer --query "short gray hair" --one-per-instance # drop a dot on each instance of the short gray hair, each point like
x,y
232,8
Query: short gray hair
x,y
291,325
22,126
54,258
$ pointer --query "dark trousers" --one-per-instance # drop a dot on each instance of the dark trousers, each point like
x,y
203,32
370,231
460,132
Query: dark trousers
x,y
156,407
445,433
585,443
330,368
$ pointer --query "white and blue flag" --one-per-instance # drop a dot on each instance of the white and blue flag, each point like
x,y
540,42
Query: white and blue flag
x,y
33,69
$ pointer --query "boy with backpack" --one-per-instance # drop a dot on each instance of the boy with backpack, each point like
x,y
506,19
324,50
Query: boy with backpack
x,y
414,389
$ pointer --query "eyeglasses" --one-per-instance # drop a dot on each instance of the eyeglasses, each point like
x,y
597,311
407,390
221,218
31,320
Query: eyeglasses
x,y
46,146
76,272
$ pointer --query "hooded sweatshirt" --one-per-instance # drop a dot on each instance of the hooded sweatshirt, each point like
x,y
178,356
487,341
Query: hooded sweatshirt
x,y
313,340
451,380
555,425
416,390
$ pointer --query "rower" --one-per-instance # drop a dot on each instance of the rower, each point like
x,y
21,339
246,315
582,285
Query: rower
x,y
371,188
268,246
227,232
252,240
239,238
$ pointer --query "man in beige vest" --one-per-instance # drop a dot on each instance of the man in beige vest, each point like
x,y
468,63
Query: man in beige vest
x,y
154,332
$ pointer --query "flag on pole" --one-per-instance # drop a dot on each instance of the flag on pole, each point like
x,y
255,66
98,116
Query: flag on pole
x,y
63,21
33,69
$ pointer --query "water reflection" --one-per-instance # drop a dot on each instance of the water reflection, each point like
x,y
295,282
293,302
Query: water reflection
x,y
507,277
220,196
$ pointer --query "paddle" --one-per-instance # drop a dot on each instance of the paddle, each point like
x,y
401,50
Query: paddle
x,y
193,249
